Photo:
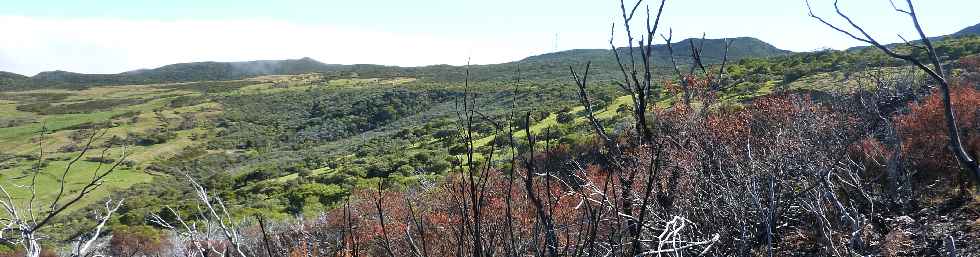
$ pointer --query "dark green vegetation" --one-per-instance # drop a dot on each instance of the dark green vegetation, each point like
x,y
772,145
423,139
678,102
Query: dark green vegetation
x,y
199,71
972,30
286,145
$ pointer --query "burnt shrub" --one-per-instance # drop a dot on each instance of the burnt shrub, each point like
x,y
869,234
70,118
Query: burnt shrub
x,y
137,241
923,130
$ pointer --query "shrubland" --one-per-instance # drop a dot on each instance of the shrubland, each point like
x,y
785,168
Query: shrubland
x,y
831,153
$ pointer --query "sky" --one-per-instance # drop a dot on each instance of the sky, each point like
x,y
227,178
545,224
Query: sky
x,y
111,36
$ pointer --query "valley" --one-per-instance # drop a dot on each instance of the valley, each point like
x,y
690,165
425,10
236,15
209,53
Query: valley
x,y
298,138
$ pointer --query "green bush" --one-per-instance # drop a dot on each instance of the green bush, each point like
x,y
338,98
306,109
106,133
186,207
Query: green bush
x,y
313,196
152,137
565,118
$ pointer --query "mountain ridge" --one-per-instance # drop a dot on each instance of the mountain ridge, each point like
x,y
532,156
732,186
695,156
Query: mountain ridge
x,y
965,32
542,66
264,65
744,47
971,30
272,67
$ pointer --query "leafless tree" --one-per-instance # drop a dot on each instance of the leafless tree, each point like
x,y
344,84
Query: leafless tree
x,y
84,246
381,217
637,201
934,69
215,230
716,82
24,222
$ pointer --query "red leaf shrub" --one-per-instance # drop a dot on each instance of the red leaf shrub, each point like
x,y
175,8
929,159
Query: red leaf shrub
x,y
924,132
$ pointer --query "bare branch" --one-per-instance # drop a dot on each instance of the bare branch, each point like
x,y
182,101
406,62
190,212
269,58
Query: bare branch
x,y
83,248
936,72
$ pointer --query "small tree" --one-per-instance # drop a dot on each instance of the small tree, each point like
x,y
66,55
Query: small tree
x,y
565,118
935,72
24,222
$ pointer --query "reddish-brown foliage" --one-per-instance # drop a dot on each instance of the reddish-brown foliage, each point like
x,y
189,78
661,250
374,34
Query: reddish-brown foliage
x,y
923,130
971,69
871,153
20,253
772,174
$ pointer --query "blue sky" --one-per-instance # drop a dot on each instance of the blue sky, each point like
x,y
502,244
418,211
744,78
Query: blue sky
x,y
116,35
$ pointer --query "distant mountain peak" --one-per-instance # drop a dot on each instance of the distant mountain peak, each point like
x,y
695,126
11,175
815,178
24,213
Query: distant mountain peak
x,y
713,51
971,30
7,77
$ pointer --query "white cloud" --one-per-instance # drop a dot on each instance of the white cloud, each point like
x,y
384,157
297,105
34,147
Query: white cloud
x,y
89,45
